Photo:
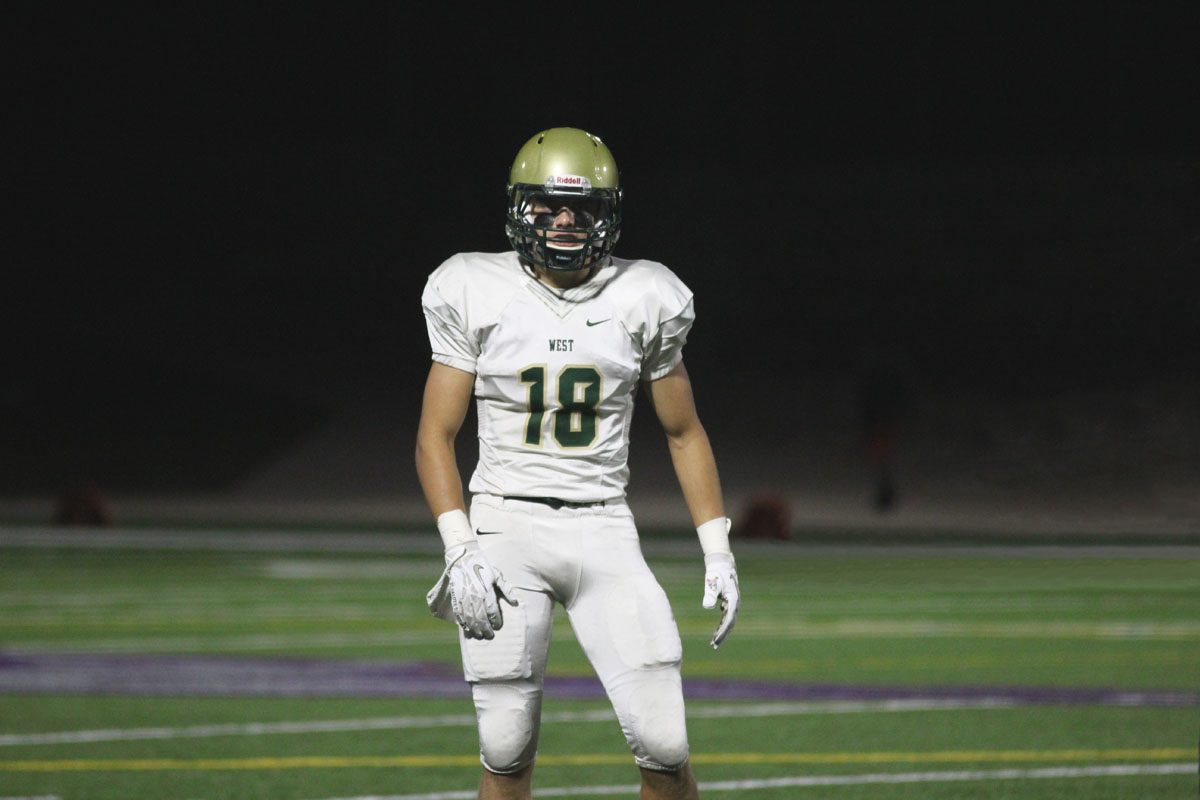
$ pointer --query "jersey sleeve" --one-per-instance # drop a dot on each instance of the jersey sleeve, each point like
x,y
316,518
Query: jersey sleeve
x,y
449,338
674,318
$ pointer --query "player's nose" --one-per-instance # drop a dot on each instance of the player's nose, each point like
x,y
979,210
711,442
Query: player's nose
x,y
565,218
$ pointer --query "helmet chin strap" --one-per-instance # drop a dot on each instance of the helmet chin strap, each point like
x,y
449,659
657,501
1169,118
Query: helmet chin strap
x,y
579,254
539,272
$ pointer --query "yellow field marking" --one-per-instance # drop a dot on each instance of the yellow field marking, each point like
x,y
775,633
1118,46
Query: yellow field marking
x,y
340,762
266,763
946,756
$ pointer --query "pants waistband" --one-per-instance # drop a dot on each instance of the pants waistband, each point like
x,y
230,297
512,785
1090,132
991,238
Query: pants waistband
x,y
552,507
555,502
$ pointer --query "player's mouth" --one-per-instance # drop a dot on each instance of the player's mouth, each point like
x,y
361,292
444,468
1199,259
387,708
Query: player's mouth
x,y
565,241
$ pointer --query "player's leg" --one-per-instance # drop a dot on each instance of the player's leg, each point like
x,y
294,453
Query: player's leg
x,y
677,785
506,673
506,787
625,625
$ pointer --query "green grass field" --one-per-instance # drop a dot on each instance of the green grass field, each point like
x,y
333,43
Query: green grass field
x,y
914,673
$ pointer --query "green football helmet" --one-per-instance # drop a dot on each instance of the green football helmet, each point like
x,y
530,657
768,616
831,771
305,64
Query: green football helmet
x,y
563,170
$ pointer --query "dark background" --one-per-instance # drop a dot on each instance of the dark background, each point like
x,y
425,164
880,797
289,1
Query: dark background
x,y
222,215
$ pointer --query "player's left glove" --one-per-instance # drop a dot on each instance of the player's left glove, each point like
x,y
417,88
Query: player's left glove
x,y
720,575
721,583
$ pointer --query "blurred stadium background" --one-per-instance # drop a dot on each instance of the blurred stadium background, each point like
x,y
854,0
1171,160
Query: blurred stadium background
x,y
1021,333
1018,338
1102,462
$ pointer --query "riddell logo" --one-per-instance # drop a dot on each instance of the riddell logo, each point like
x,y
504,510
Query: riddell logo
x,y
573,181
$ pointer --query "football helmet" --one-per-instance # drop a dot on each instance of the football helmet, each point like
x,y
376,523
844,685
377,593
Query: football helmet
x,y
564,201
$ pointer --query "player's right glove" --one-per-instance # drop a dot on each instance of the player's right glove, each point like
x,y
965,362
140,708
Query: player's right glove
x,y
470,588
476,589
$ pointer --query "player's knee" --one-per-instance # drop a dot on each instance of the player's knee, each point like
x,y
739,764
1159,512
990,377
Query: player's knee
x,y
664,749
507,727
658,730
505,743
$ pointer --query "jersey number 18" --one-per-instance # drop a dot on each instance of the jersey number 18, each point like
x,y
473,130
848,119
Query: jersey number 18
x,y
574,421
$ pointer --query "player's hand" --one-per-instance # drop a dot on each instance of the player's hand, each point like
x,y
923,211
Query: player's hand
x,y
721,583
475,590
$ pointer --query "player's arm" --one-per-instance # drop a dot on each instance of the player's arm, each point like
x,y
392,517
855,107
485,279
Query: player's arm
x,y
443,409
470,587
696,468
691,452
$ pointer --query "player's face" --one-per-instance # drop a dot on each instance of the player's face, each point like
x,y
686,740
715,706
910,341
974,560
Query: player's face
x,y
565,219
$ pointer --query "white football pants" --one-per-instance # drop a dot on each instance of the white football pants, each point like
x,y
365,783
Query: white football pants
x,y
589,560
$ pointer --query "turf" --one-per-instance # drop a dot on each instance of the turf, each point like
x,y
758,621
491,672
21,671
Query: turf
x,y
858,619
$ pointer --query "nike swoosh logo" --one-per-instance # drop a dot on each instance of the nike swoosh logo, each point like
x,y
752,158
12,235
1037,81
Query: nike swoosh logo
x,y
597,322
486,533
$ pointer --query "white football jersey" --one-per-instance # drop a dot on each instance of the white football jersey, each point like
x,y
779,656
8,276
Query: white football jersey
x,y
555,371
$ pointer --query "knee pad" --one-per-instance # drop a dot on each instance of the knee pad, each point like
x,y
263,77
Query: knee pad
x,y
656,728
509,715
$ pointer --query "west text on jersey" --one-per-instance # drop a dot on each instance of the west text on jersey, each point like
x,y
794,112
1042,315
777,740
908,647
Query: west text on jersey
x,y
562,345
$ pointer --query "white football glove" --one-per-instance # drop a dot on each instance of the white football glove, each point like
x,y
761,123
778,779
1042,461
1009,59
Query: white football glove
x,y
471,588
721,583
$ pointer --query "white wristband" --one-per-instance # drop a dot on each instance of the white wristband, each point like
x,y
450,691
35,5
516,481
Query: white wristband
x,y
714,536
455,528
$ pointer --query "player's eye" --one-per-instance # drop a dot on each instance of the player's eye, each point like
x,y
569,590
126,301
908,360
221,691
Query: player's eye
x,y
583,218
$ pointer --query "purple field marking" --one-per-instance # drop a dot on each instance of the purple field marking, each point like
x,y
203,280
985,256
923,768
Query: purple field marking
x,y
187,675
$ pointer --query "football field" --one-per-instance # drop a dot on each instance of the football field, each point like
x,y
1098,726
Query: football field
x,y
178,665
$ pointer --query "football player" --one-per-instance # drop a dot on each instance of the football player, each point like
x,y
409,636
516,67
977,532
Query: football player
x,y
553,339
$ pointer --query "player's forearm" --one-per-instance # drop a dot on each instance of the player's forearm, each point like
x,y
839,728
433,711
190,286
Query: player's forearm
x,y
437,470
696,469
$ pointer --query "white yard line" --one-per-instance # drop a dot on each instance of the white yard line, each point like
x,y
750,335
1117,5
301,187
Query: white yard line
x,y
239,541
178,615
225,644
468,720
428,543
310,569
1116,770
1054,629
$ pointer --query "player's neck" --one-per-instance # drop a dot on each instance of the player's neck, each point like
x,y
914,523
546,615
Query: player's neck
x,y
565,280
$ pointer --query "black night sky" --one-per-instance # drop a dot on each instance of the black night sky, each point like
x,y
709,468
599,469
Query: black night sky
x,y
248,197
